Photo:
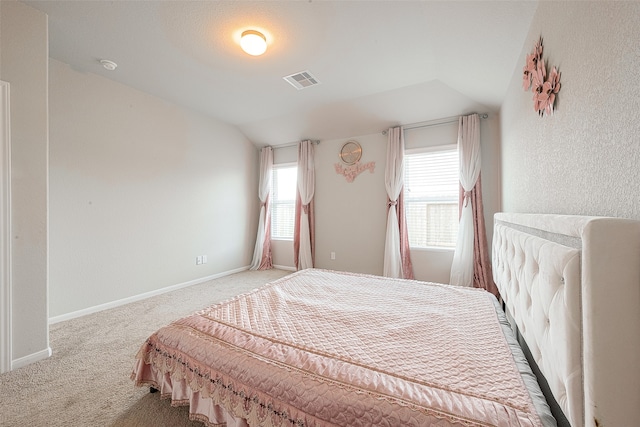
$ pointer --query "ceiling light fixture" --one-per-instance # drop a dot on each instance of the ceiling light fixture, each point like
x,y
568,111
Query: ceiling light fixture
x,y
108,65
253,42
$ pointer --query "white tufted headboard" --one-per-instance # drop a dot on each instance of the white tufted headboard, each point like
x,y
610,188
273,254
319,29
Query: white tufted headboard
x,y
572,286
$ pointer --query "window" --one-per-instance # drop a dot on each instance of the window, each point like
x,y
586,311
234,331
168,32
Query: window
x,y
283,201
431,192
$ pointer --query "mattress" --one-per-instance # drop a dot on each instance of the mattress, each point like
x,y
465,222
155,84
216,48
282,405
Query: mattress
x,y
321,348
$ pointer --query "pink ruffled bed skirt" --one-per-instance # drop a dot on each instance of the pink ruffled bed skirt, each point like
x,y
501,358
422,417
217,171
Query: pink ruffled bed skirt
x,y
200,408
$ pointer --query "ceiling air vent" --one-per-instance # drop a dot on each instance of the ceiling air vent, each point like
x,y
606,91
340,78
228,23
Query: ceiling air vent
x,y
302,80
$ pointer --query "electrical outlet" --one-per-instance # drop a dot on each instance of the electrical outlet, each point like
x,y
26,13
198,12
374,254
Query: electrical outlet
x,y
333,255
204,259
198,260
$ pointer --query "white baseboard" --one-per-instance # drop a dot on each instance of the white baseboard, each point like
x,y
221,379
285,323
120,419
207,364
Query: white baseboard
x,y
31,358
117,303
284,267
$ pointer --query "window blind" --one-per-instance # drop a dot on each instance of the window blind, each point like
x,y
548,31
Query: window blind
x,y
283,201
431,189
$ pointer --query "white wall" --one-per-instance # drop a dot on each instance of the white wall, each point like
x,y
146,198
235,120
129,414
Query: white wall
x,y
24,52
140,187
351,217
585,158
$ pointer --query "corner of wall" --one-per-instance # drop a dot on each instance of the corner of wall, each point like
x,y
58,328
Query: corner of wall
x,y
24,47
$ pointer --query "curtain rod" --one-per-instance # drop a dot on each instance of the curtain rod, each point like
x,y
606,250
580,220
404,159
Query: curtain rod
x,y
437,122
292,144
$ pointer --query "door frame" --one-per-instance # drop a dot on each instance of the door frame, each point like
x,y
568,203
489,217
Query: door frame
x,y
5,230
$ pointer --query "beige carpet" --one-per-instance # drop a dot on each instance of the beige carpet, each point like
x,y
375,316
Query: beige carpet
x,y
86,381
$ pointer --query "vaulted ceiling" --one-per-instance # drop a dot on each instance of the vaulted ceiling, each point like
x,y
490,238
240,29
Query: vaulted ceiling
x,y
380,63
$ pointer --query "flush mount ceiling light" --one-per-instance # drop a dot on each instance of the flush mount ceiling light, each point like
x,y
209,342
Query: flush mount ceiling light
x,y
253,42
108,65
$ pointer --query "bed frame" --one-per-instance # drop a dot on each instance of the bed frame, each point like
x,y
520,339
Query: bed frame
x,y
571,284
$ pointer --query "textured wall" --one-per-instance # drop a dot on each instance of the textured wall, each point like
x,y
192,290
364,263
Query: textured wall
x,y
585,159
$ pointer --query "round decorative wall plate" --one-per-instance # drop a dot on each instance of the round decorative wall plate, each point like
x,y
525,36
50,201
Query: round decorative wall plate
x,y
350,152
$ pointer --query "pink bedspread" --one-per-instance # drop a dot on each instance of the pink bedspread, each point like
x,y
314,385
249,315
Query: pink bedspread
x,y
320,348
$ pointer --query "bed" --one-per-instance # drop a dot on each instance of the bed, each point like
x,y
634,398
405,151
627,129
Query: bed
x,y
572,286
320,348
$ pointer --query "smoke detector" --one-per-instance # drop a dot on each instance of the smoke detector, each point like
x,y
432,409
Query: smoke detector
x,y
108,65
302,80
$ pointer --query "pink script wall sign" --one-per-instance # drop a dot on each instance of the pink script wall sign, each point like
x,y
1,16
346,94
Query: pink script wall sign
x,y
352,171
